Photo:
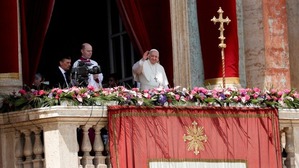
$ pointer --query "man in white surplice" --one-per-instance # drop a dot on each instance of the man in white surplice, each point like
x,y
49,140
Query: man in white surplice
x,y
148,71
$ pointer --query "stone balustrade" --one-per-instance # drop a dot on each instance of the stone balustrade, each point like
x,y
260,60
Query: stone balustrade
x,y
49,137
289,130
70,136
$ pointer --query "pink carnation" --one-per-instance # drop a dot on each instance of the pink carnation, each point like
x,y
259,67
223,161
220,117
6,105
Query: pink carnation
x,y
22,92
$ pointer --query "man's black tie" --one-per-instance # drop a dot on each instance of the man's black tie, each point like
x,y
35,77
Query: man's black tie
x,y
67,77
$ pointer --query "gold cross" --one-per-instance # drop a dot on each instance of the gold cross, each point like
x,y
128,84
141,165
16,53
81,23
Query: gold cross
x,y
195,137
222,45
221,27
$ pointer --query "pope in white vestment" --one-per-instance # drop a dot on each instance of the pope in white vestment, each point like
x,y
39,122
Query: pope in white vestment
x,y
149,72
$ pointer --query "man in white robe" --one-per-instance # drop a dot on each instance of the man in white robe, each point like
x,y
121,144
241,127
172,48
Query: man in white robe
x,y
149,72
94,80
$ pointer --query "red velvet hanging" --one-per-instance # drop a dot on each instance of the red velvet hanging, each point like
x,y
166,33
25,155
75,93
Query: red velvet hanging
x,y
35,18
139,136
9,37
209,33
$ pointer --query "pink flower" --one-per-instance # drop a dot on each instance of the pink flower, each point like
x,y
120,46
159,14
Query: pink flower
x,y
273,91
296,95
287,91
91,88
242,91
59,91
147,95
274,98
247,97
41,92
177,97
280,93
256,90
135,89
255,95
22,92
193,92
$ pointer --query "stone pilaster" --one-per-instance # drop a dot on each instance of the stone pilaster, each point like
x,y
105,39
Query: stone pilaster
x,y
266,44
180,43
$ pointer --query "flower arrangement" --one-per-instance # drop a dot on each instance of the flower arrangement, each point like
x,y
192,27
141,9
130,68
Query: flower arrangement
x,y
177,96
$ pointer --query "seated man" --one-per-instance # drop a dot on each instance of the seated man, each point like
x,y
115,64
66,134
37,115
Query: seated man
x,y
39,82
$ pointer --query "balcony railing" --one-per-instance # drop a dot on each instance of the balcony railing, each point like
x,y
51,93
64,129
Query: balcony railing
x,y
50,137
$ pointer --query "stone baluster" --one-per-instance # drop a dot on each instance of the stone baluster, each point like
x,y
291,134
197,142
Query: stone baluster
x,y
98,147
107,147
282,145
38,149
18,150
86,148
27,149
289,147
79,157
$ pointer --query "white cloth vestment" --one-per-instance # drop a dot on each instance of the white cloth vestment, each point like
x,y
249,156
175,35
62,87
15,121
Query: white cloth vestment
x,y
149,75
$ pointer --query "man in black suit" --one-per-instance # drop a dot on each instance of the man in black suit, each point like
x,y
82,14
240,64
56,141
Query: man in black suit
x,y
60,77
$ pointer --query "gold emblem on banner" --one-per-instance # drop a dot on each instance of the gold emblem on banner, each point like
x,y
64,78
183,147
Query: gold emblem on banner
x,y
195,137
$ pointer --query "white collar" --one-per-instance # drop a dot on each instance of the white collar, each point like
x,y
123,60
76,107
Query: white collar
x,y
62,70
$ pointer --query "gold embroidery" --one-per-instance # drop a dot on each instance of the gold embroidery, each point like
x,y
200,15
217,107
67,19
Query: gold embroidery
x,y
196,137
11,75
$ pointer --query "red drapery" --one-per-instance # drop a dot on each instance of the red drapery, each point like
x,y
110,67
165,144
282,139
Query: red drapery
x,y
9,37
131,14
148,25
209,33
35,19
140,136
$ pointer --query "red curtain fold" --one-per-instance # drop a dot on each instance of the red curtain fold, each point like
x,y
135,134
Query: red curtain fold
x,y
148,25
9,37
35,19
140,136
209,33
132,17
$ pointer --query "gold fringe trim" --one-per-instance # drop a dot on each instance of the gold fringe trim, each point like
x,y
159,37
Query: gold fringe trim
x,y
9,75
218,81
194,115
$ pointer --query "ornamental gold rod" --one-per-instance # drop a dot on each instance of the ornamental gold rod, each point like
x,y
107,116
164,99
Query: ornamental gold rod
x,y
222,45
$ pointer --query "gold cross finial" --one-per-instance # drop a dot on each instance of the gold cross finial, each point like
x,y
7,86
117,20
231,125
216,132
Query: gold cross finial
x,y
221,27
222,45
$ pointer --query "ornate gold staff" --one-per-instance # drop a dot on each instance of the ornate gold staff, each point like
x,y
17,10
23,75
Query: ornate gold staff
x,y
222,45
